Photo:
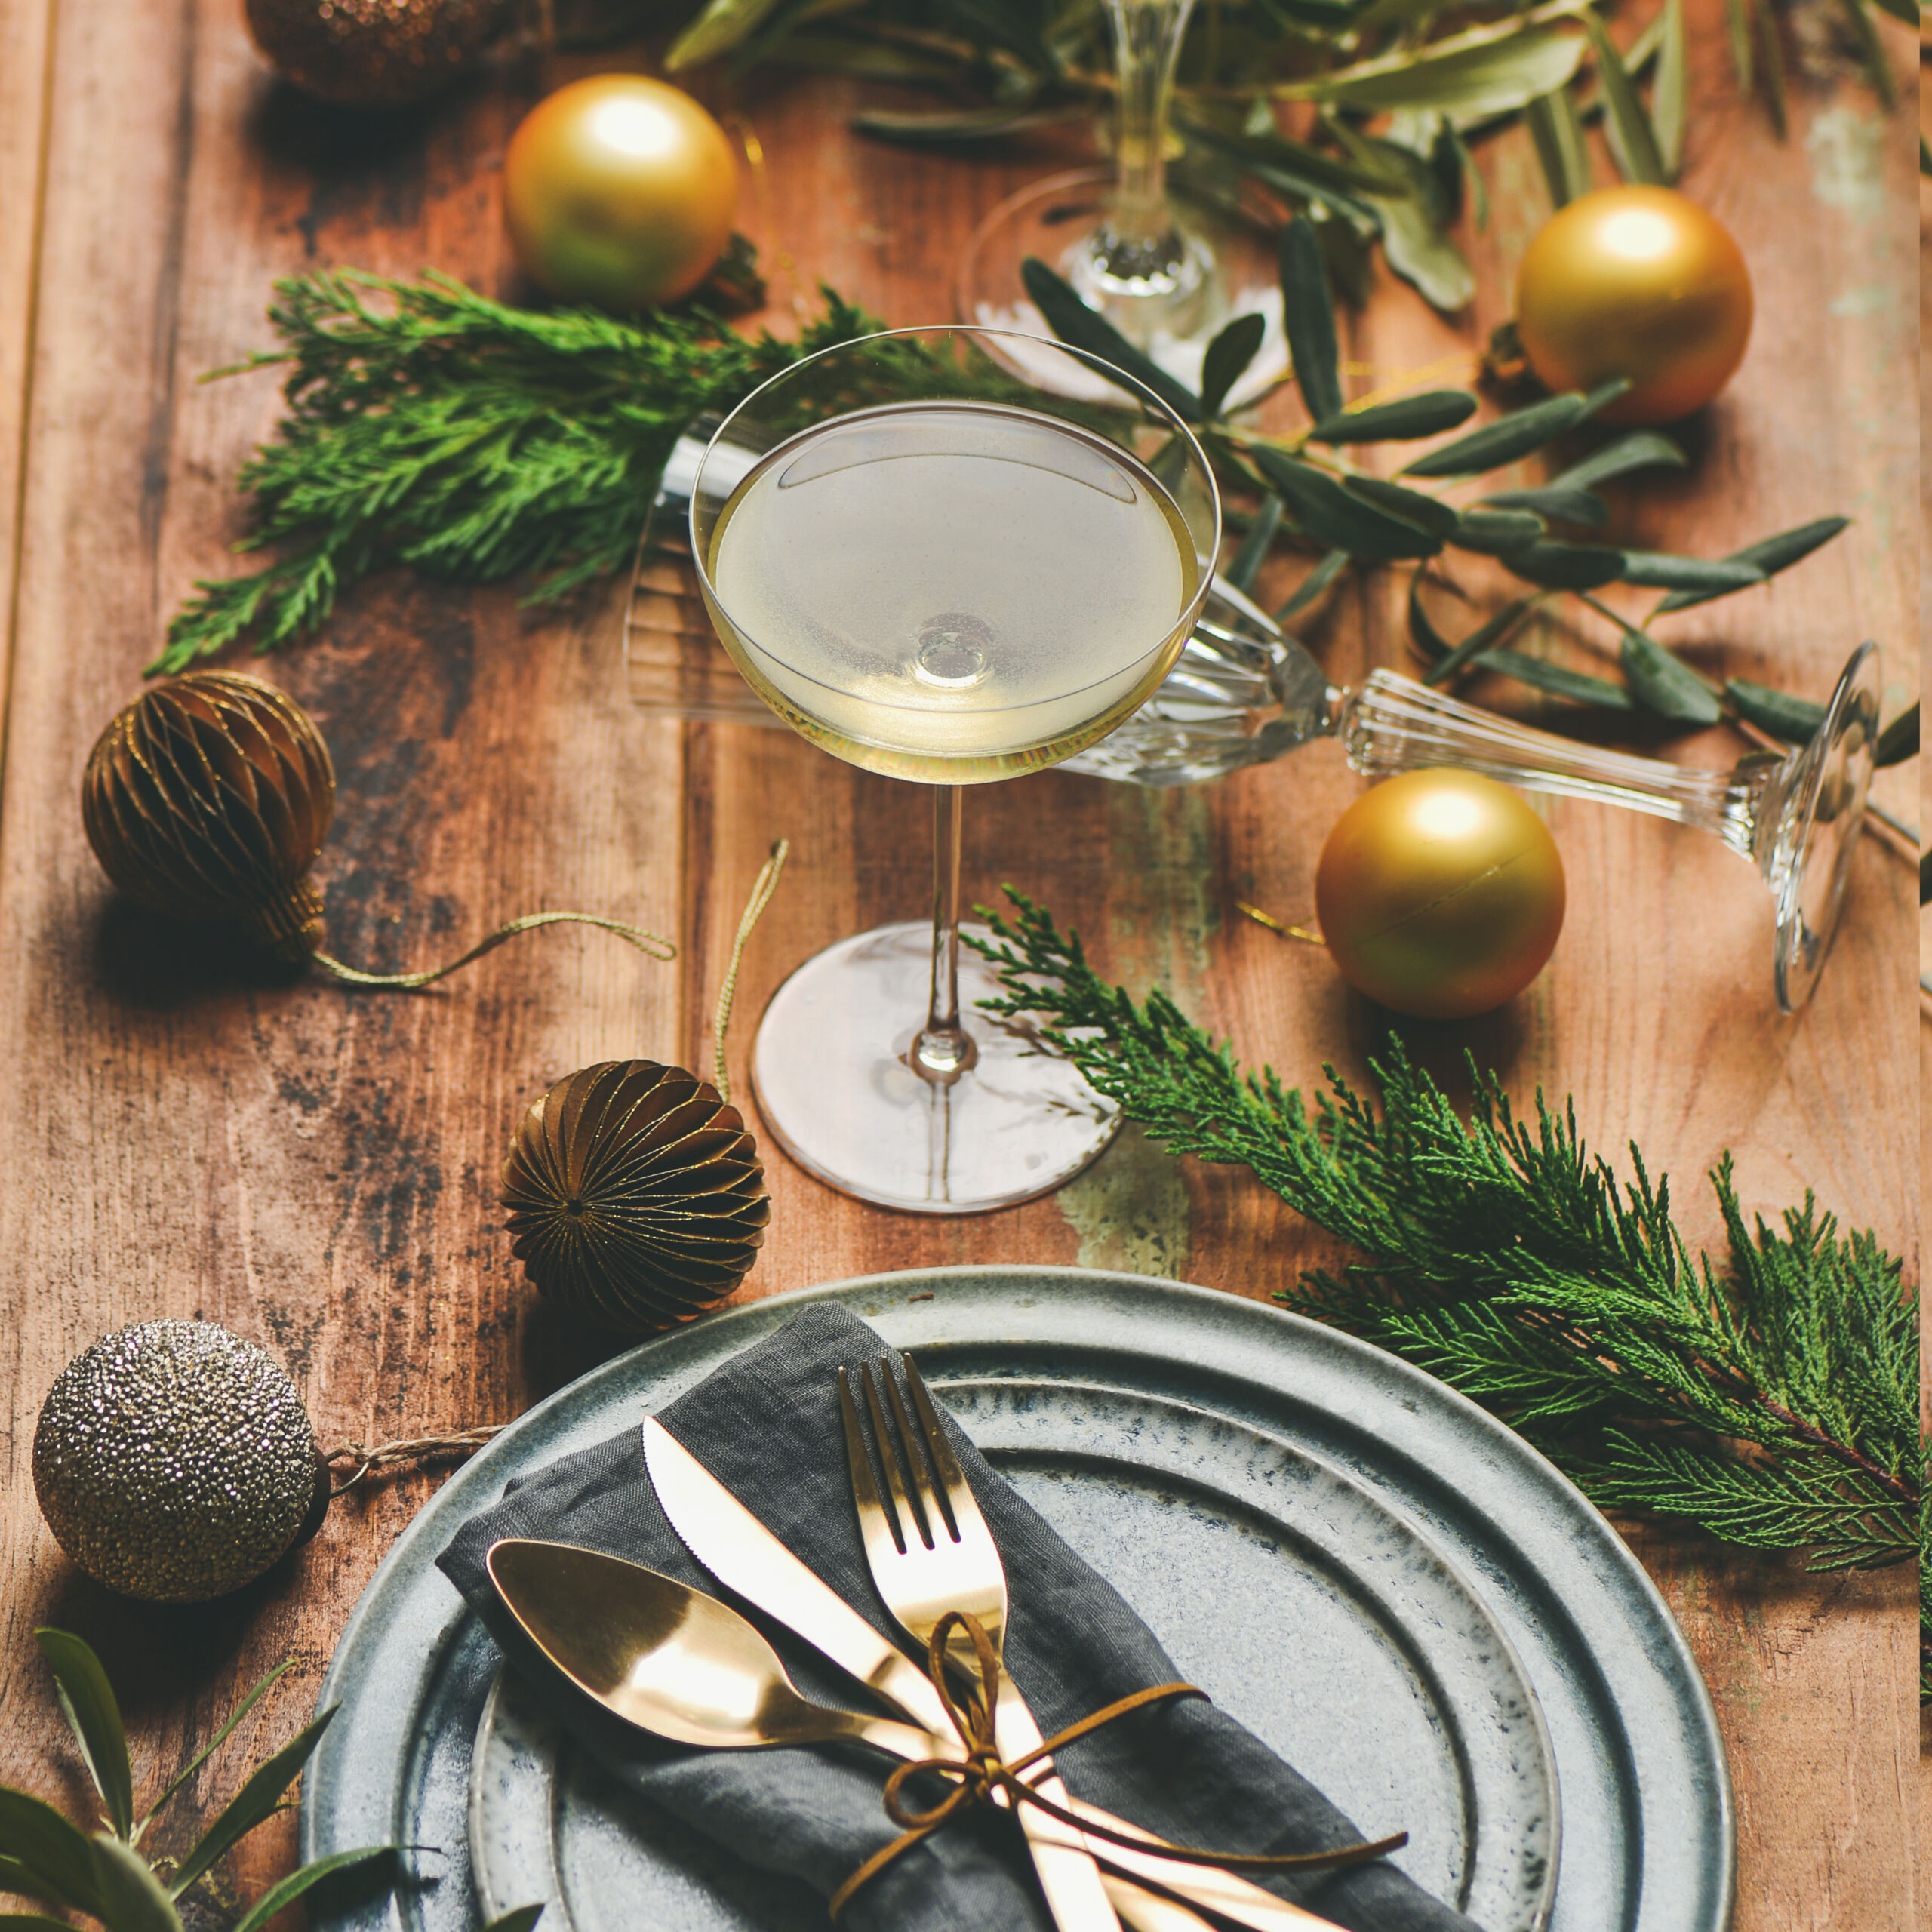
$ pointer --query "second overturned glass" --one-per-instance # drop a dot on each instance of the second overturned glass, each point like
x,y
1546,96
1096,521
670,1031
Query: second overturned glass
x,y
933,573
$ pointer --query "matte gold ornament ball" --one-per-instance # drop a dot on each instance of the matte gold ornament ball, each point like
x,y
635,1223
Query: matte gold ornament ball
x,y
620,191
1440,894
174,1462
374,53
1636,282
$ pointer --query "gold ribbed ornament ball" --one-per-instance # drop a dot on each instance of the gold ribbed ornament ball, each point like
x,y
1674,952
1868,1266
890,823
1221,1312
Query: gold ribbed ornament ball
x,y
619,191
174,1462
636,1197
209,798
374,53
1440,894
1640,282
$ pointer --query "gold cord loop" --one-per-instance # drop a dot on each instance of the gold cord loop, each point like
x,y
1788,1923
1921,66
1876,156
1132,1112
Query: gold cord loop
x,y
980,1776
658,946
763,886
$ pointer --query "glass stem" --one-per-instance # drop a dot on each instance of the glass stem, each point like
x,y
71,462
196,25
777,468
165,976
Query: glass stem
x,y
944,1049
1147,37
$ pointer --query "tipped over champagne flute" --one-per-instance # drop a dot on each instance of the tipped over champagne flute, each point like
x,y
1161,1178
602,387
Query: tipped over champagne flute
x,y
931,581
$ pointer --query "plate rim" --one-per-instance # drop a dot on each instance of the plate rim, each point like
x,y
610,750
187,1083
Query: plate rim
x,y
478,1474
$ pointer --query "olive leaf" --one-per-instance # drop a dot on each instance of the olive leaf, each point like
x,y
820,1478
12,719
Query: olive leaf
x,y
1074,323
833,53
1769,557
1297,171
1308,314
1516,435
1566,566
1485,637
1415,222
1563,501
54,1855
1643,449
1325,511
1794,719
1427,513
1496,533
1632,145
1556,129
1670,97
1253,551
87,1701
1666,683
1656,570
309,1875
31,1922
1470,76
132,1899
1226,360
1898,740
1557,679
722,25
1426,414
213,1744
955,129
255,1801
1311,586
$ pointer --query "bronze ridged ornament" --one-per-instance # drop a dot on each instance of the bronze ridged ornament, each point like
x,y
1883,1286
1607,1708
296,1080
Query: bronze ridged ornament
x,y
174,1462
636,1197
209,797
374,53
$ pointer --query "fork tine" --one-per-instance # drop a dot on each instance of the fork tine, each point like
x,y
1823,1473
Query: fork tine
x,y
962,1505
925,1486
875,1513
909,1512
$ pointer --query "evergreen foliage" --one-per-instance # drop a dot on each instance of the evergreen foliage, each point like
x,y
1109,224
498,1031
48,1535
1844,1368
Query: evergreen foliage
x,y
1769,1396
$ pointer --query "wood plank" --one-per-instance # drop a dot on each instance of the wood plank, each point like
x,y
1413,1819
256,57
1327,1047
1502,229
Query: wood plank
x,y
317,1168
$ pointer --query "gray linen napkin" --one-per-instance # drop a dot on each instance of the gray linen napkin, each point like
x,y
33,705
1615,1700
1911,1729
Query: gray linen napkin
x,y
767,1425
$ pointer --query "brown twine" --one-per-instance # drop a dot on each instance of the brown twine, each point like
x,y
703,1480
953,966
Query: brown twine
x,y
407,1449
981,1776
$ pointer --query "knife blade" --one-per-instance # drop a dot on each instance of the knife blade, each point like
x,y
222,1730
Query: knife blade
x,y
730,1542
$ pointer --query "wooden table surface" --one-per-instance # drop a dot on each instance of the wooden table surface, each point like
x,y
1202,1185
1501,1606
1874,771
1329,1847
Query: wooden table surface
x,y
187,1134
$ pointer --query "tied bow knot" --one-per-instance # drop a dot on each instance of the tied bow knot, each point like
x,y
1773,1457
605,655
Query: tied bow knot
x,y
980,1776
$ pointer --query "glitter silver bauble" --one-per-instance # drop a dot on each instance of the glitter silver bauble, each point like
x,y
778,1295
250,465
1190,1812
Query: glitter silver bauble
x,y
174,1462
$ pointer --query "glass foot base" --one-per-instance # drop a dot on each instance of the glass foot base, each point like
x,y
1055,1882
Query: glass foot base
x,y
831,1066
1229,268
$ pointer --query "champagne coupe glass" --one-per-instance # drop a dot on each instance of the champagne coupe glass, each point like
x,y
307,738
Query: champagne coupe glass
x,y
1169,271
932,572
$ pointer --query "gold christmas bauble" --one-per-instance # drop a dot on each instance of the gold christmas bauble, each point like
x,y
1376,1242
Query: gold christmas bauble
x,y
174,1462
619,191
1636,281
1440,894
636,1197
374,53
209,798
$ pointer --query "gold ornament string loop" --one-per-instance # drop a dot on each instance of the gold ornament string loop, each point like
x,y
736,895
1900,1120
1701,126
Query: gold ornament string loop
x,y
763,886
368,1460
655,944
981,1776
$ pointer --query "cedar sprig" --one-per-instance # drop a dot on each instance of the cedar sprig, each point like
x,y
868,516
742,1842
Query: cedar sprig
x,y
1768,1395
428,426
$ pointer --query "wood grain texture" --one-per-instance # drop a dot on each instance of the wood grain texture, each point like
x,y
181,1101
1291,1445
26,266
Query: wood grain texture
x,y
191,1134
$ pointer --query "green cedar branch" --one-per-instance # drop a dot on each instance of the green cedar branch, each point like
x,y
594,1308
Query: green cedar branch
x,y
1769,1397
429,426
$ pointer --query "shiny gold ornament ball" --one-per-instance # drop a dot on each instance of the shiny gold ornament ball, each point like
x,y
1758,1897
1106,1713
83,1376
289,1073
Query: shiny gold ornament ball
x,y
209,798
636,1198
1636,282
174,1462
374,53
1440,894
620,191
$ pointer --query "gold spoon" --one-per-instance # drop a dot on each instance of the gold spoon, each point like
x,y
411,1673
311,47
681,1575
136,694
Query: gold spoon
x,y
681,1665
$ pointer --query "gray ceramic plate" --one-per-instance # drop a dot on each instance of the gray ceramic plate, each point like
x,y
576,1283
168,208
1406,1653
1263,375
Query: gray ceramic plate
x,y
1647,1838
1396,1692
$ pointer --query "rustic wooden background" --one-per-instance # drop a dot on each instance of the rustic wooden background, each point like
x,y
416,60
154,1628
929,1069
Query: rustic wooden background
x,y
185,1134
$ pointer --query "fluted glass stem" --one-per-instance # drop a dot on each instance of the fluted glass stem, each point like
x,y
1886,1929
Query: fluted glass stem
x,y
944,1049
1394,724
1139,242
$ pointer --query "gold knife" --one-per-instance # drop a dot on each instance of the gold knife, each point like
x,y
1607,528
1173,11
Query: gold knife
x,y
729,1542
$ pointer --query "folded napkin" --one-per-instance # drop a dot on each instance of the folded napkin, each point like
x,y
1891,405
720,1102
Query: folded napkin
x,y
766,1425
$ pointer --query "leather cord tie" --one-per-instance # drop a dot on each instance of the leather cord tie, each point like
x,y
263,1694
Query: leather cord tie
x,y
981,1776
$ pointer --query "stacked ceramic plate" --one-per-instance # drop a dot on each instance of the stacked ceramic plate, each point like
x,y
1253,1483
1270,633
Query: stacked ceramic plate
x,y
1392,1590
